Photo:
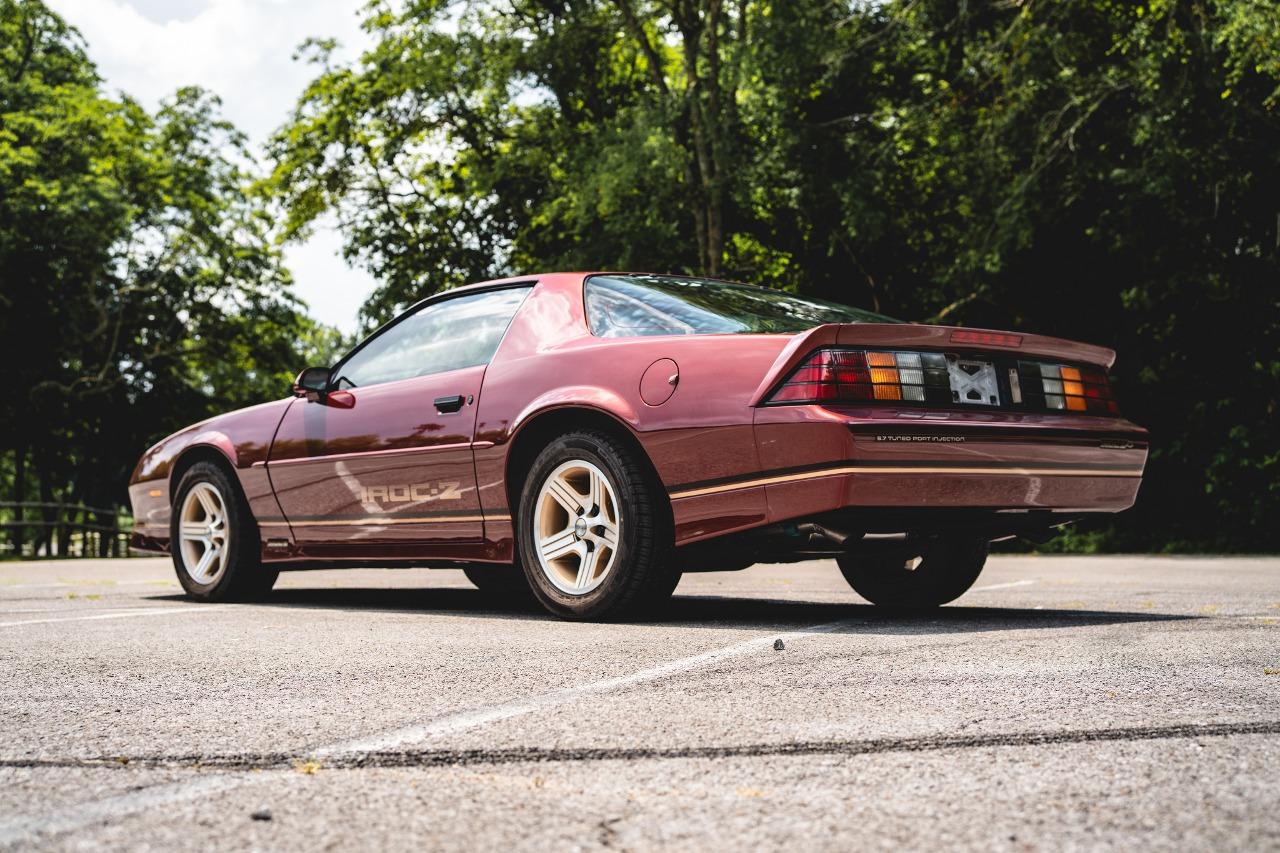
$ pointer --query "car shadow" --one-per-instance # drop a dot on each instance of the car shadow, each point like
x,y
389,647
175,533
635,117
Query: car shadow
x,y
715,611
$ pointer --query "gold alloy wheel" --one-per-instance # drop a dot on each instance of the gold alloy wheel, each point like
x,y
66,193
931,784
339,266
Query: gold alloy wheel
x,y
203,534
576,527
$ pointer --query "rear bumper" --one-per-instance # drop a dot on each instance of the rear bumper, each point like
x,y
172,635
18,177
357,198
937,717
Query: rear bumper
x,y
892,458
1007,489
816,460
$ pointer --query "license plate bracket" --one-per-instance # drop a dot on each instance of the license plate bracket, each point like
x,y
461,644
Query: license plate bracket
x,y
973,381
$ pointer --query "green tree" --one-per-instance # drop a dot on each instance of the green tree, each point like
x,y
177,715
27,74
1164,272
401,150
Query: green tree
x,y
1108,172
476,138
1099,170
139,284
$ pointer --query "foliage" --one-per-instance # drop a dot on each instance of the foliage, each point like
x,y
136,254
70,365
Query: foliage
x,y
1096,169
139,287
1100,170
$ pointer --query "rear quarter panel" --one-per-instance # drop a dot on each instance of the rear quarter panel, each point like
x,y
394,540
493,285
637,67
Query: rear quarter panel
x,y
550,360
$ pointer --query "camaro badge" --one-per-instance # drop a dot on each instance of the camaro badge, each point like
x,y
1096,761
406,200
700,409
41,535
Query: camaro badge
x,y
411,492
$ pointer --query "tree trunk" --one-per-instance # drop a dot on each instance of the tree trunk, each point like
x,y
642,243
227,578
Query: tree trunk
x,y
705,108
714,118
71,518
699,124
106,541
47,512
18,536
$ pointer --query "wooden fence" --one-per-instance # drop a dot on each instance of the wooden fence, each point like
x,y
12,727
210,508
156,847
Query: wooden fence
x,y
49,530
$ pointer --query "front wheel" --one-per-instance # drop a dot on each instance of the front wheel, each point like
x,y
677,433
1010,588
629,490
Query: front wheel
x,y
595,531
214,539
945,569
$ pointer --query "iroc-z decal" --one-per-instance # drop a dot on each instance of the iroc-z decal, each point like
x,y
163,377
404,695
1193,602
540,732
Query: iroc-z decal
x,y
411,492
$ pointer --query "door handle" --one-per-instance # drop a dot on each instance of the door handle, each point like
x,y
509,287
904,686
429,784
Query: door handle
x,y
449,404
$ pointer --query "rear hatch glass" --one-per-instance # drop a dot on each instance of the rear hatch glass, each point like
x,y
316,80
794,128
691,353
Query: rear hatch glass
x,y
637,305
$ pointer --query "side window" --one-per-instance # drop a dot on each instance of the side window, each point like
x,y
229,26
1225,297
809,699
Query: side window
x,y
460,332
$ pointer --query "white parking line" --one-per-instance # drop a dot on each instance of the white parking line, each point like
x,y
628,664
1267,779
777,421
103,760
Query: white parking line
x,y
1009,585
72,818
79,816
35,610
73,608
414,735
127,614
88,584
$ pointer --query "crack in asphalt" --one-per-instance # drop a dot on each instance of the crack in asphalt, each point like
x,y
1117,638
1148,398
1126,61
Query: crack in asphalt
x,y
408,758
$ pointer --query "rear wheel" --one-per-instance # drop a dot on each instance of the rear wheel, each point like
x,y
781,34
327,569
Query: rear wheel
x,y
214,538
595,532
945,569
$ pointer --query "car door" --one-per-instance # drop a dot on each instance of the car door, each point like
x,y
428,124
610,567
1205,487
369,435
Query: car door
x,y
382,465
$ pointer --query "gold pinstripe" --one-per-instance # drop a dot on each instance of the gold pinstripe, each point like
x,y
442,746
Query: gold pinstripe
x,y
876,469
371,521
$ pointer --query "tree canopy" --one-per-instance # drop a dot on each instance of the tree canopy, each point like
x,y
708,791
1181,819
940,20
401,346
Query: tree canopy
x,y
1100,170
140,289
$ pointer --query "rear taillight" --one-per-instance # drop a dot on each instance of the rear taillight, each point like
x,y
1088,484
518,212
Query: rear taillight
x,y
1061,386
934,378
855,376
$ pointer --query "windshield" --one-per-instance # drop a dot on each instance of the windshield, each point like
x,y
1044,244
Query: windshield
x,y
631,305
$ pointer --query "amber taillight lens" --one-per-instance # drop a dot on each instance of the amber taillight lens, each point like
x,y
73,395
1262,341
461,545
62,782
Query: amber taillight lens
x,y
836,375
1063,387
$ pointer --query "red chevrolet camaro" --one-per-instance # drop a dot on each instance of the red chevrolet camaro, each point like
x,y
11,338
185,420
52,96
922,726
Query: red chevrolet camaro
x,y
589,437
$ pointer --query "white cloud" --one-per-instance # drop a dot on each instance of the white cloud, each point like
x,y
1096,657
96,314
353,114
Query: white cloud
x,y
334,291
241,50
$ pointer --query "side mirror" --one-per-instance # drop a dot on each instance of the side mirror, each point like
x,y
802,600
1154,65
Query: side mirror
x,y
312,383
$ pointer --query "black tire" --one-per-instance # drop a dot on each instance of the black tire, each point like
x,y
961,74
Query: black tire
x,y
244,575
643,571
499,581
947,568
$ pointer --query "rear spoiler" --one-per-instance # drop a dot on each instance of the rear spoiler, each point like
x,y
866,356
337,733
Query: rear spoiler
x,y
937,338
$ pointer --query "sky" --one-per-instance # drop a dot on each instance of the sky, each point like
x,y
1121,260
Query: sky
x,y
242,50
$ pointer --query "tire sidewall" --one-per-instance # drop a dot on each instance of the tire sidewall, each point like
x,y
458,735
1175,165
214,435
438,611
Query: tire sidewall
x,y
605,457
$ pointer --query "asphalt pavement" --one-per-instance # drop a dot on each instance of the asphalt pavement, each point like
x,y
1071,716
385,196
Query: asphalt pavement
x,y
1064,702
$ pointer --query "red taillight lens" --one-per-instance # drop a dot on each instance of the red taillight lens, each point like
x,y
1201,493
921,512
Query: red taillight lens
x,y
867,376
855,376
1061,387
